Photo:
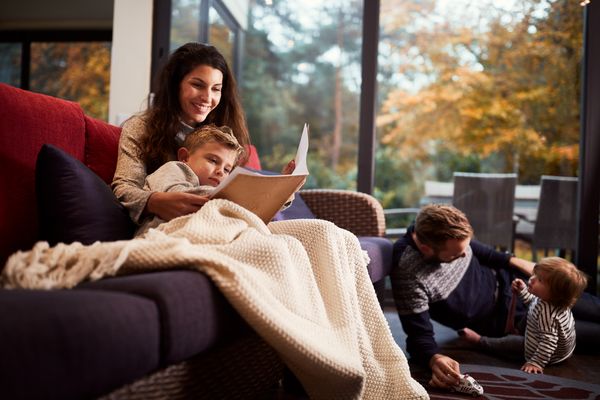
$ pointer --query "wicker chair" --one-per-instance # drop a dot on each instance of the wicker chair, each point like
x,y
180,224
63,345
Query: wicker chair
x,y
555,225
488,200
249,368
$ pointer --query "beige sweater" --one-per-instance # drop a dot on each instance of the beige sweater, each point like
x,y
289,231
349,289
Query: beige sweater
x,y
130,174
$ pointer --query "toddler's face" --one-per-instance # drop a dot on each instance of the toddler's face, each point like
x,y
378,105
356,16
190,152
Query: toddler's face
x,y
539,287
212,162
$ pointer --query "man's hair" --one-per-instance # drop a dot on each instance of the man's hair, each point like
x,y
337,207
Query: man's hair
x,y
216,134
564,281
436,223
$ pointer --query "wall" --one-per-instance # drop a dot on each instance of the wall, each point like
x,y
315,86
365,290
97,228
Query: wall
x,y
130,59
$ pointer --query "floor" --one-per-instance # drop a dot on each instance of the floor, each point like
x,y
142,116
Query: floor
x,y
582,367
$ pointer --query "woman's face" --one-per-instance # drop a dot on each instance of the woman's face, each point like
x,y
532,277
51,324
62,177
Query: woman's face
x,y
200,93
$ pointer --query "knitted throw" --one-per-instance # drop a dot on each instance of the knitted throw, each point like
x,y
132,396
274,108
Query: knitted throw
x,y
302,285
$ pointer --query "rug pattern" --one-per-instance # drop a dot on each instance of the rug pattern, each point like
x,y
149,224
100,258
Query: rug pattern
x,y
513,384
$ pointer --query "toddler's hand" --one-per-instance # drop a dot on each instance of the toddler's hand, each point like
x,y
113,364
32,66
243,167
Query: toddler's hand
x,y
517,285
532,369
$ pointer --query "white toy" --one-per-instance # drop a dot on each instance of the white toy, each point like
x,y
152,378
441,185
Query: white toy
x,y
468,385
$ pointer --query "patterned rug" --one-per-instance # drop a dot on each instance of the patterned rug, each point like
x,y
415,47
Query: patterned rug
x,y
512,384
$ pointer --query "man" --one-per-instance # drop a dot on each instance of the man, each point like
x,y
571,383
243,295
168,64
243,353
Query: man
x,y
440,273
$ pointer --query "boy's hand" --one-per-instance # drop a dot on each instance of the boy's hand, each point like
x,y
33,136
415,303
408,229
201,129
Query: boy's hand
x,y
289,168
532,369
517,286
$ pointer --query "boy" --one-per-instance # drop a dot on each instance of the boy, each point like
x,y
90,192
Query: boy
x,y
553,289
208,156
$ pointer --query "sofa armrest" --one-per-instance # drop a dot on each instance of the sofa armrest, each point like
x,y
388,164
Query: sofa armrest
x,y
357,212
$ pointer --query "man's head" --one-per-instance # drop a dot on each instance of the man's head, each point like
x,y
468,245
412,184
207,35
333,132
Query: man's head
x,y
211,152
442,233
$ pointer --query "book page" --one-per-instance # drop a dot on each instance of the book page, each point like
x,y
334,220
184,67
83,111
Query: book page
x,y
301,153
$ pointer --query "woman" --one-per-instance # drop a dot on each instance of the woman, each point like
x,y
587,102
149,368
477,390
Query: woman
x,y
195,87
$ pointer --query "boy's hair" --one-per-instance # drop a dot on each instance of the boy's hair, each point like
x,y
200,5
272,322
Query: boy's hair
x,y
212,133
436,223
565,282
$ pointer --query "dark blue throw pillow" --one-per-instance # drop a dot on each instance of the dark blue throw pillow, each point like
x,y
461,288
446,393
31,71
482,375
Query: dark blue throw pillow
x,y
74,204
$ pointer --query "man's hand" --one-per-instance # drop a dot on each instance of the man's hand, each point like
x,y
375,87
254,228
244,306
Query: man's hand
x,y
445,372
532,369
174,204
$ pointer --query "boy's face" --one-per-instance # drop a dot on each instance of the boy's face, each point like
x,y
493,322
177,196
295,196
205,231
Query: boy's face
x,y
212,162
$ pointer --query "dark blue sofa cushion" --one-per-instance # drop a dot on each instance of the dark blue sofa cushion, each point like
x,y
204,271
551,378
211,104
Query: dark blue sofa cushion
x,y
380,252
74,204
69,344
194,315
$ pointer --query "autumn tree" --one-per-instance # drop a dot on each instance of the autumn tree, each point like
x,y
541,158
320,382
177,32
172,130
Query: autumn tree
x,y
77,71
504,89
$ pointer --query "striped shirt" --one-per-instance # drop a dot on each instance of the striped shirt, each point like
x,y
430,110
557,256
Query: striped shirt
x,y
550,332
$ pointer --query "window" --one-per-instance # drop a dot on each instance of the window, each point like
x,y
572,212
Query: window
x,y
73,65
302,64
481,86
222,35
10,61
188,24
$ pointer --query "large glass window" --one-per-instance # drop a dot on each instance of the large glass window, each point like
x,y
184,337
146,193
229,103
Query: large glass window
x,y
482,86
302,64
185,22
205,21
221,35
10,63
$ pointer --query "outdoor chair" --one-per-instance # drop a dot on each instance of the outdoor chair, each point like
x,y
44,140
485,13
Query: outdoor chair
x,y
555,225
488,200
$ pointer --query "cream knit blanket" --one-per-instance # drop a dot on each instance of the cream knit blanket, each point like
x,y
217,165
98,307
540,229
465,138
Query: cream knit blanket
x,y
301,284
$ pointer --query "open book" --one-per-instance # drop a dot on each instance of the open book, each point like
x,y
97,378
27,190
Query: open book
x,y
264,193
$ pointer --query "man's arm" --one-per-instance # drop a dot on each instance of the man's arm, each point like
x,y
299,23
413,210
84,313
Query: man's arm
x,y
420,340
486,255
422,347
526,267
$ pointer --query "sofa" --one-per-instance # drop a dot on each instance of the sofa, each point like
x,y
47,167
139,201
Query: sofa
x,y
168,334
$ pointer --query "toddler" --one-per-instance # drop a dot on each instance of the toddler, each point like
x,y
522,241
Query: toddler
x,y
550,332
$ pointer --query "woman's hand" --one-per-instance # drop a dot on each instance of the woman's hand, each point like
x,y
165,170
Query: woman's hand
x,y
174,204
445,372
532,369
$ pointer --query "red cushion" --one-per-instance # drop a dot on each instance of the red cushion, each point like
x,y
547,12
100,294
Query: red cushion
x,y
253,160
101,147
27,121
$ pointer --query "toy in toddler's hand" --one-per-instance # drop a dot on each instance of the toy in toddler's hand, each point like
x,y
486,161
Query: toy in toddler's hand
x,y
468,385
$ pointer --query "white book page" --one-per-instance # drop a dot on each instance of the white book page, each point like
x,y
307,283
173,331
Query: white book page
x,y
301,167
